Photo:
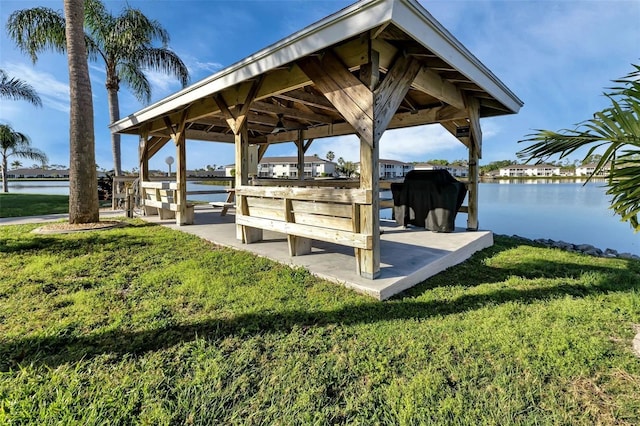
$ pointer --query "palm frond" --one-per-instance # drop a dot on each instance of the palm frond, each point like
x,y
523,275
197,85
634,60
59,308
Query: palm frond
x,y
617,130
14,88
36,30
165,61
133,77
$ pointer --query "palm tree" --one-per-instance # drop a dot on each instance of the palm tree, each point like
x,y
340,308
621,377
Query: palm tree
x,y
615,129
123,42
16,144
83,178
330,155
16,164
14,88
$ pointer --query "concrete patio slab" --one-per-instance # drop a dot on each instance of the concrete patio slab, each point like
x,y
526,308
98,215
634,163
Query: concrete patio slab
x,y
408,256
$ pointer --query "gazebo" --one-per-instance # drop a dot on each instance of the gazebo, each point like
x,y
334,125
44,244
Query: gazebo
x,y
373,66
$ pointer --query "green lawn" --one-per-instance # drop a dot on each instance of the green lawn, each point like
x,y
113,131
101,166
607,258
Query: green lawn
x,y
147,325
15,205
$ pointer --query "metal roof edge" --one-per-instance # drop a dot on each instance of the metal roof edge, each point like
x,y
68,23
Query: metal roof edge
x,y
487,79
253,65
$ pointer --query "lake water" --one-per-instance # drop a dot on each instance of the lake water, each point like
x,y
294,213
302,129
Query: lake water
x,y
571,212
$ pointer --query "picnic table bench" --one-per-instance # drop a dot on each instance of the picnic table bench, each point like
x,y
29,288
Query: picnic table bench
x,y
226,204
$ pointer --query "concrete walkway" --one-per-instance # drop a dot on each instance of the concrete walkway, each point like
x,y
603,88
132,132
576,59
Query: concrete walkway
x,y
408,256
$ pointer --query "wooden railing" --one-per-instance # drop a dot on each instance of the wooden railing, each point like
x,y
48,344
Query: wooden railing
x,y
326,214
120,184
161,197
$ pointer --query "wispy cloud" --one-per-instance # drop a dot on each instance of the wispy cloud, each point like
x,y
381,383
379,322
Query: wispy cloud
x,y
411,144
54,93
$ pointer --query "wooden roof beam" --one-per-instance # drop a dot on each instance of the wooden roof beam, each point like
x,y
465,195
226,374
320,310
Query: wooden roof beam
x,y
290,112
399,120
431,83
346,93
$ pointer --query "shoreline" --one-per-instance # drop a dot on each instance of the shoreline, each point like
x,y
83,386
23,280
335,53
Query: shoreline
x,y
586,249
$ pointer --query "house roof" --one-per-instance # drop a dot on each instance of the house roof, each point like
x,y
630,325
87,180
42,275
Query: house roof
x,y
448,73
396,162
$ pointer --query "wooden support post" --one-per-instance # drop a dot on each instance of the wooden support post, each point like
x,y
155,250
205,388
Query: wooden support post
x,y
246,234
143,158
297,245
475,153
300,146
472,214
237,122
368,261
181,181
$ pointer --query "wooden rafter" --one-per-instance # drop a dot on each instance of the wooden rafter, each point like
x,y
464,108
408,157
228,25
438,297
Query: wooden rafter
x,y
392,90
237,117
346,93
473,108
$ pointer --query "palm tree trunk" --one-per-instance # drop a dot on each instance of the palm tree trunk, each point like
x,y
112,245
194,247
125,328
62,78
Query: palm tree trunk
x,y
83,180
114,115
5,184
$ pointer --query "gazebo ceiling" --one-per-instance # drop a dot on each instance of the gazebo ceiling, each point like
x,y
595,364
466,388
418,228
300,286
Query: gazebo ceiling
x,y
286,98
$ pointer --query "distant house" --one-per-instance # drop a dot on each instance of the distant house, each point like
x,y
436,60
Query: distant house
x,y
287,167
229,170
456,171
391,169
588,169
37,174
206,173
526,170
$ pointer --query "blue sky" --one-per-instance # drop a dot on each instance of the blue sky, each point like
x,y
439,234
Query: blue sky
x,y
557,56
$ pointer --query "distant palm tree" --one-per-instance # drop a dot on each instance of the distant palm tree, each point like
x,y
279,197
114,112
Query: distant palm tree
x,y
330,155
123,42
16,164
17,144
616,130
14,88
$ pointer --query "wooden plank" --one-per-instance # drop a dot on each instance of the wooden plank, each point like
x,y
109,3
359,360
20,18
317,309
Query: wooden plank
x,y
386,204
349,196
155,185
320,183
346,238
265,213
327,209
266,203
320,221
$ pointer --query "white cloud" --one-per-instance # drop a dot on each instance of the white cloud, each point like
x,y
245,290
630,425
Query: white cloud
x,y
410,144
162,84
210,67
54,93
417,143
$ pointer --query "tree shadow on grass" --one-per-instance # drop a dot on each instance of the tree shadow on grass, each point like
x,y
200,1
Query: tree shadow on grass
x,y
53,351
57,243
